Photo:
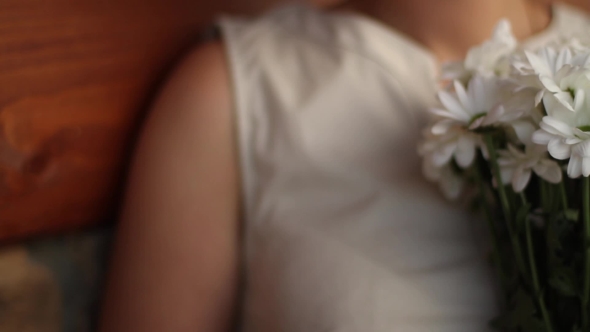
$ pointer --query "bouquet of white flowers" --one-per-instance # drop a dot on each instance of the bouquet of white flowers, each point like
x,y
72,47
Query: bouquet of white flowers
x,y
514,125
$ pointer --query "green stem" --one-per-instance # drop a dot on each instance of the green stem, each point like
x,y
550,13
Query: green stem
x,y
523,199
496,172
520,261
496,256
532,265
535,275
586,290
545,195
563,195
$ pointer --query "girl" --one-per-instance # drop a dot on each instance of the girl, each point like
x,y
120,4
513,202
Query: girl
x,y
277,184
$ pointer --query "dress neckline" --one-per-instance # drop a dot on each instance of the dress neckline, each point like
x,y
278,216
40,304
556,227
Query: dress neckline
x,y
537,40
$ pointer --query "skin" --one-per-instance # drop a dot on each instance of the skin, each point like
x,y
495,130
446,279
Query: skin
x,y
176,256
449,28
175,265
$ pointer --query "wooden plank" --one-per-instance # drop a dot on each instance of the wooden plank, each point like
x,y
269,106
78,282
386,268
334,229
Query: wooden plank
x,y
74,75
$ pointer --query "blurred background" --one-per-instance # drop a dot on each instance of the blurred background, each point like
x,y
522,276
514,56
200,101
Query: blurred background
x,y
75,79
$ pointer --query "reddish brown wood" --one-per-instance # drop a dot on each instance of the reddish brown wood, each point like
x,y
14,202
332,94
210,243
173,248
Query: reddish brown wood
x,y
74,75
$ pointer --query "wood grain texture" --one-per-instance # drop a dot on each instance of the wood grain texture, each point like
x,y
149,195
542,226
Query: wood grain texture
x,y
74,76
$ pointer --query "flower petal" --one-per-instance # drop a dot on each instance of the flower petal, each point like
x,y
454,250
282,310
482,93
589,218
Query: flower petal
x,y
453,105
566,100
442,127
479,91
559,149
579,100
443,154
574,167
465,152
477,123
556,127
449,115
580,60
484,150
451,184
494,116
515,151
524,131
548,170
539,97
564,57
582,151
462,95
520,178
586,166
453,70
549,84
539,65
542,137
506,173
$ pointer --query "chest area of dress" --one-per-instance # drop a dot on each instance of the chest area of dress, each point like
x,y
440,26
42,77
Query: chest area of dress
x,y
345,234
362,124
341,255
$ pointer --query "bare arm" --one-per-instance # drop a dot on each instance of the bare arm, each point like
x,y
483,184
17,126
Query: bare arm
x,y
175,261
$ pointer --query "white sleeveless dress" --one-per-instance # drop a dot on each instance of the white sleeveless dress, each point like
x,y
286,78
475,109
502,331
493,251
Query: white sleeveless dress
x,y
341,232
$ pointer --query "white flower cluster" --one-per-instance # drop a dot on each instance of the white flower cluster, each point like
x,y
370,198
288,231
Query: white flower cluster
x,y
538,100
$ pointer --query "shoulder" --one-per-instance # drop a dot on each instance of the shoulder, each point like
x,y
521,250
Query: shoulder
x,y
197,91
190,115
202,76
181,204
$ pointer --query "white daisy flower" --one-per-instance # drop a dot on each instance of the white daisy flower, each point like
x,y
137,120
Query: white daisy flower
x,y
562,73
488,59
475,107
516,166
517,114
566,134
579,163
578,42
455,143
